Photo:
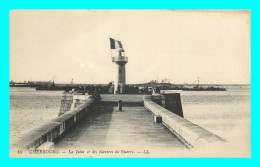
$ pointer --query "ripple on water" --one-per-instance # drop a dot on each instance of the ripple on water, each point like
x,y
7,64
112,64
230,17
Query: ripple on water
x,y
29,109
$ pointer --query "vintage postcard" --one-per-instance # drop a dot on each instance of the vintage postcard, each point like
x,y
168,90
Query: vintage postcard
x,y
130,83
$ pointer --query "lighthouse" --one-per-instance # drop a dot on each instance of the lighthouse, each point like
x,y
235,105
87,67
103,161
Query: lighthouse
x,y
120,60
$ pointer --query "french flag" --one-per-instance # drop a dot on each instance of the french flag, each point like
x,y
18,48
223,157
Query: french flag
x,y
115,44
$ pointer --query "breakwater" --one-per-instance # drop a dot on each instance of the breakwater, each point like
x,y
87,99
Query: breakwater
x,y
190,133
55,128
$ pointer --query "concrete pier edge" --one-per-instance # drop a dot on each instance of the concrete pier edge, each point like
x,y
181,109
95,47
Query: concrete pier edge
x,y
191,134
54,129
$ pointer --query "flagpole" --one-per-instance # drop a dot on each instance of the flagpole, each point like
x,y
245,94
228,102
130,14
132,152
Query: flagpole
x,y
110,49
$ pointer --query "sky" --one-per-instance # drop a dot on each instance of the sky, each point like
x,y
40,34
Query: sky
x,y
175,44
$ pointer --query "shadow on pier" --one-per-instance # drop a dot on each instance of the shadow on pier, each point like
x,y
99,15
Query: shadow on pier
x,y
108,128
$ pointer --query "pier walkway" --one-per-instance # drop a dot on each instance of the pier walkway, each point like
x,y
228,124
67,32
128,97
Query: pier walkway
x,y
107,128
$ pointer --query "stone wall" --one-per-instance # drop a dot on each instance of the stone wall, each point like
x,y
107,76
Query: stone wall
x,y
66,102
52,130
170,101
190,133
70,101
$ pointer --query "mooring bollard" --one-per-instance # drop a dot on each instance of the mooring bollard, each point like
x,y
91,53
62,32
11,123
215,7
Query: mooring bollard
x,y
120,105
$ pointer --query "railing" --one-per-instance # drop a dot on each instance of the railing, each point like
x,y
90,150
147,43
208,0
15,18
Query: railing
x,y
120,58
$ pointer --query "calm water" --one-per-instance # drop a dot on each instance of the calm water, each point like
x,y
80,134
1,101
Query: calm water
x,y
225,113
30,108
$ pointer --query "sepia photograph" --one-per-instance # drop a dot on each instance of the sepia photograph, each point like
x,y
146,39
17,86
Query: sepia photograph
x,y
130,83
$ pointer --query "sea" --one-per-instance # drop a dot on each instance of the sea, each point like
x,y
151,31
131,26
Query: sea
x,y
225,113
30,108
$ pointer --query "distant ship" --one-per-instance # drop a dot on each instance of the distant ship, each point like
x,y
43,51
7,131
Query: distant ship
x,y
50,86
200,88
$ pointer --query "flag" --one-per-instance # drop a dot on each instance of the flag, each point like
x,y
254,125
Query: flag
x,y
115,44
